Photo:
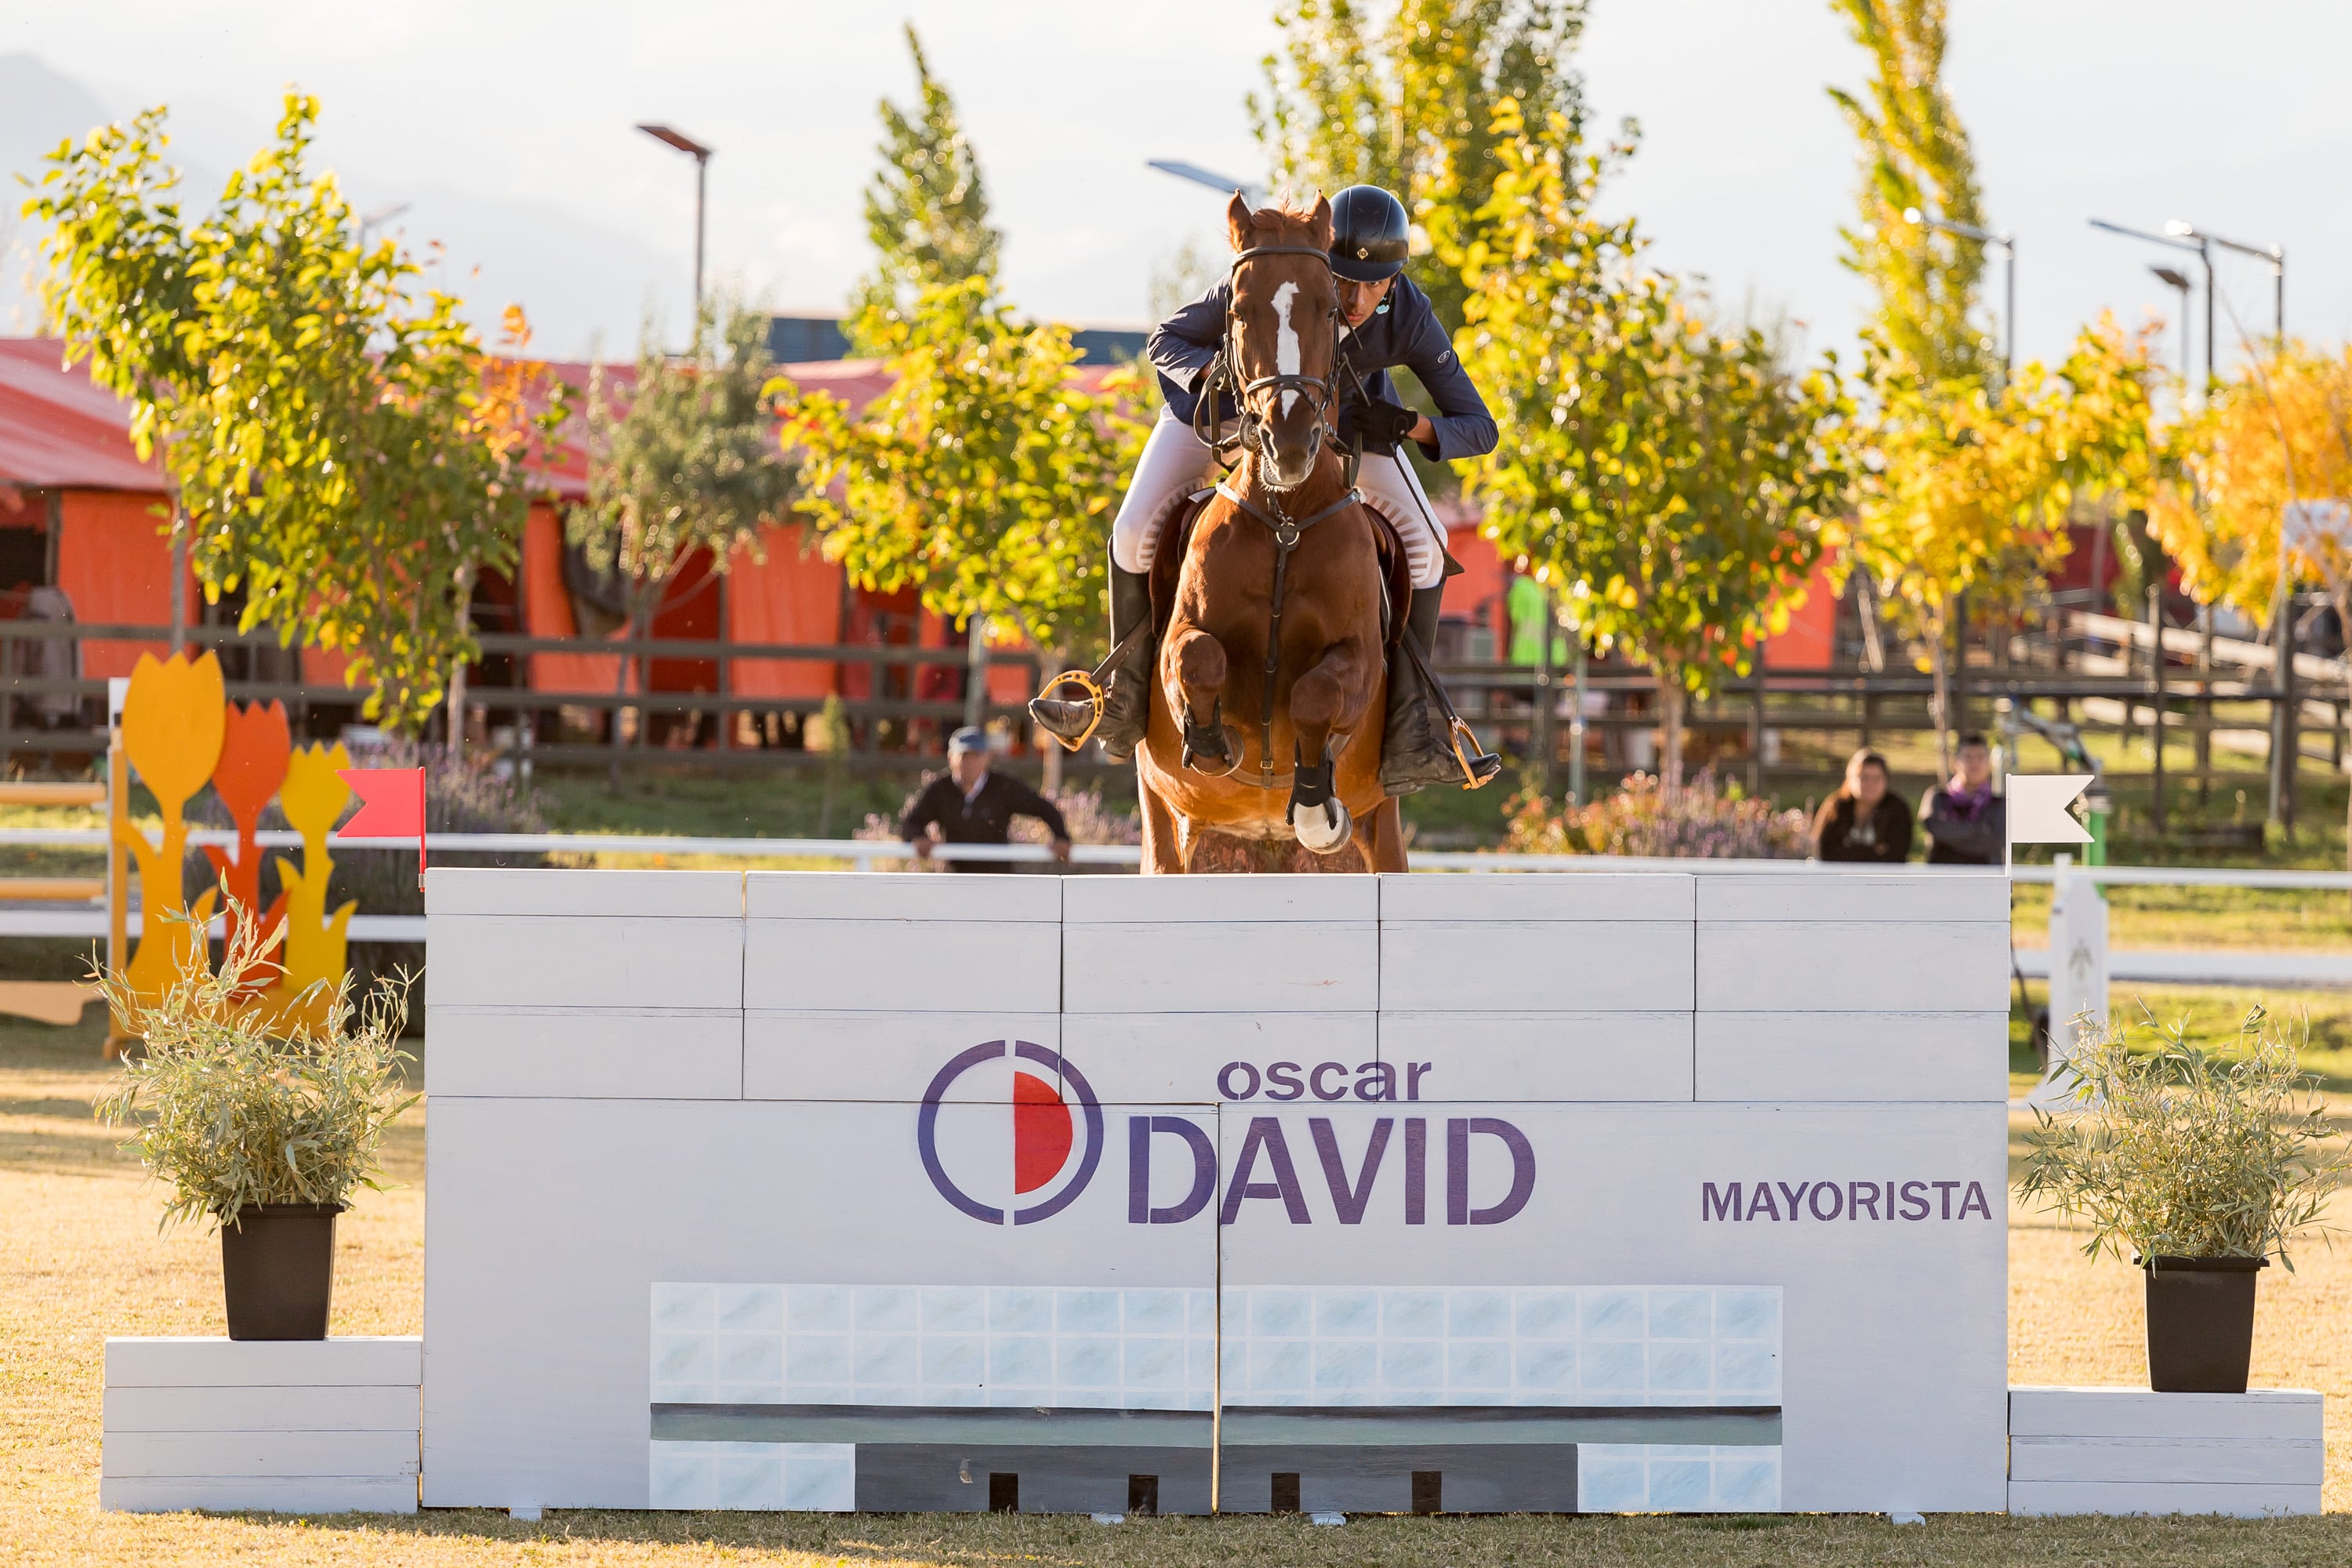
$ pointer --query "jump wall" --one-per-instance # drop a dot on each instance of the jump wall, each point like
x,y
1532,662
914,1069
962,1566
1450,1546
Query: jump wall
x,y
1608,1192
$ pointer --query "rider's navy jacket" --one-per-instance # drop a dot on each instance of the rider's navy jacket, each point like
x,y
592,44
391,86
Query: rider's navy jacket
x,y
1408,334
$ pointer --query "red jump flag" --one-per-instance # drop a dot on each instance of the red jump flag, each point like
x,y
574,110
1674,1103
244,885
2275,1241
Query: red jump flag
x,y
392,805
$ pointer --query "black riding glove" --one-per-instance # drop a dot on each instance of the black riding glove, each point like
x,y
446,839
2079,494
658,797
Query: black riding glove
x,y
1376,423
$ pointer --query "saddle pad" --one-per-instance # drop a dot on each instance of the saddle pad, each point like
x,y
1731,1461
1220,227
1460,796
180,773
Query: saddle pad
x,y
1396,568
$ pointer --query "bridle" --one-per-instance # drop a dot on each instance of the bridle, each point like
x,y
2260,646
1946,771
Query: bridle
x,y
1222,378
1311,782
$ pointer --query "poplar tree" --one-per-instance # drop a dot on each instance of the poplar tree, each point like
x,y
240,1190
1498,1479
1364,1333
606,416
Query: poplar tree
x,y
1406,100
1669,478
1914,157
925,207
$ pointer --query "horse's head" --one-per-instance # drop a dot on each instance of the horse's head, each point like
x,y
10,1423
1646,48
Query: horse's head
x,y
1286,314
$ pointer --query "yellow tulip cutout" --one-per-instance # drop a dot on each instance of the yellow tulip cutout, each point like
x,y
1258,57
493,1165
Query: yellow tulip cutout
x,y
317,944
174,718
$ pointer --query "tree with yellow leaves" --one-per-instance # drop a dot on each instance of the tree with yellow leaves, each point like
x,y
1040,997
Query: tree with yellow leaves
x,y
2277,433
1961,486
1672,476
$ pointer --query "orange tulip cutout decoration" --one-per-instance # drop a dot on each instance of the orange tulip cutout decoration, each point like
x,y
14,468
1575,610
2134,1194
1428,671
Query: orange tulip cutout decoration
x,y
253,752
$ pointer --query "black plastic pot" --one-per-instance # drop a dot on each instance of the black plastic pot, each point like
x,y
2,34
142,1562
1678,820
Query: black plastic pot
x,y
277,1265
2200,1323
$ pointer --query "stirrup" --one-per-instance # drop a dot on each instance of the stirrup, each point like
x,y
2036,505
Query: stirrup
x,y
1478,765
1093,696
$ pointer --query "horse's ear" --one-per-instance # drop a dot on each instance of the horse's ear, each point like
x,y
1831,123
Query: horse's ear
x,y
1319,221
1238,222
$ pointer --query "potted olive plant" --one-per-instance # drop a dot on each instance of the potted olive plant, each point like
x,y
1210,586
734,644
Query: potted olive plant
x,y
264,1128
2200,1167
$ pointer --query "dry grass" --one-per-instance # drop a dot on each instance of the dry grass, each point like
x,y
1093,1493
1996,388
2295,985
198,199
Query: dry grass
x,y
80,1259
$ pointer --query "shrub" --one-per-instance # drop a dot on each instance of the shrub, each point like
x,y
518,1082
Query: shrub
x,y
1702,820
2176,1152
230,1112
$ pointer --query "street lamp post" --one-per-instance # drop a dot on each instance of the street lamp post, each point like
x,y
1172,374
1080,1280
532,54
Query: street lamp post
x,y
701,156
2180,280
2274,254
2204,254
2003,245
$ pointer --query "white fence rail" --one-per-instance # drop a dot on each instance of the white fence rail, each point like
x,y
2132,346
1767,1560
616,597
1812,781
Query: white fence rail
x,y
866,854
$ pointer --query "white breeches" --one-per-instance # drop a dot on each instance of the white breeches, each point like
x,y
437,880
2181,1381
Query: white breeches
x,y
1175,464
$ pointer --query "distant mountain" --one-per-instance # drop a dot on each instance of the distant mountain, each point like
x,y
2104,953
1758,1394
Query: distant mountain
x,y
584,284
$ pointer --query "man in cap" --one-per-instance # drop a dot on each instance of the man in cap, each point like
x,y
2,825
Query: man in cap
x,y
974,804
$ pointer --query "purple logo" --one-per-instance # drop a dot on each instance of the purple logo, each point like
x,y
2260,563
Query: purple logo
x,y
1053,1151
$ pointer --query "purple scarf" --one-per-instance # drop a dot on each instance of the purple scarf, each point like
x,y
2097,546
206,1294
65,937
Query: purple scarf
x,y
1966,802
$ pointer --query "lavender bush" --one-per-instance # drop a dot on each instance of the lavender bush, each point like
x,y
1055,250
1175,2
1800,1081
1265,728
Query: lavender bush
x,y
1704,820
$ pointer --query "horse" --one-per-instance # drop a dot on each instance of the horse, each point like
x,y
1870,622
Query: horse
x,y
1268,690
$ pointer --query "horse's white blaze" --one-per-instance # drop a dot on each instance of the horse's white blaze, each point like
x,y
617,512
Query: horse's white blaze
x,y
1286,340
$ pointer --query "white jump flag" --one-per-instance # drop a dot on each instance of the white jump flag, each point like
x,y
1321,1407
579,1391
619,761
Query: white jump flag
x,y
2037,809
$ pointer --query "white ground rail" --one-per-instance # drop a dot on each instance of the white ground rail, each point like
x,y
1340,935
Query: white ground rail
x,y
293,1427
2127,1450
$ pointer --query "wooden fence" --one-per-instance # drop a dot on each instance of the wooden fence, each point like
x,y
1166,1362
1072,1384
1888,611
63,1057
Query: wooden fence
x,y
2099,673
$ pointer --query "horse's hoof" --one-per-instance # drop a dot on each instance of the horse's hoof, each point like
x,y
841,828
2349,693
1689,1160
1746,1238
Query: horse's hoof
x,y
1325,832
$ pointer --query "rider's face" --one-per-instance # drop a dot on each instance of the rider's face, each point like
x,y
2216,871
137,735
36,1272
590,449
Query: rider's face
x,y
1359,300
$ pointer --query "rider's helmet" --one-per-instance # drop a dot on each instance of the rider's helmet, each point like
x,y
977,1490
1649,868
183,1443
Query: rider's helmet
x,y
1369,234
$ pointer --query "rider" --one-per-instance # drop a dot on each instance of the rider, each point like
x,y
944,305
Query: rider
x,y
1389,323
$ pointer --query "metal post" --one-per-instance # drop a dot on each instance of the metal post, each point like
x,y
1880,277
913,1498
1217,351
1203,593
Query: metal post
x,y
701,182
1957,720
1756,731
179,579
1542,738
1576,725
2286,731
2009,311
2204,702
2205,255
975,673
2156,683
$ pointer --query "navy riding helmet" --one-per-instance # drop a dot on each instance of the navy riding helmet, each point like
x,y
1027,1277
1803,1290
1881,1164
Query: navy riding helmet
x,y
1369,234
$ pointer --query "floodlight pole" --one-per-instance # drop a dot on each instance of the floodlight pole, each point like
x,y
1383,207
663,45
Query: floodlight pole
x,y
2204,251
2003,245
701,156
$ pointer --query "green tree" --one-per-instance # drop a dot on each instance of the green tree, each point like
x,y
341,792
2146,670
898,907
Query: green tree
x,y
984,478
1405,100
926,209
1915,156
1670,478
682,462
337,452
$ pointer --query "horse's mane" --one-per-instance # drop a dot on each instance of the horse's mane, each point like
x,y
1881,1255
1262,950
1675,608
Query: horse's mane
x,y
1303,226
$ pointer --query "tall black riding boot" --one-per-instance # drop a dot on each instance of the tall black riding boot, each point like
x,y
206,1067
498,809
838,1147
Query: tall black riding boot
x,y
1417,743
1127,704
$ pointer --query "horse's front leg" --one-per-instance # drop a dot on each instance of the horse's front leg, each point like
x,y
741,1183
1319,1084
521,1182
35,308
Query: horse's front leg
x,y
1327,703
1196,670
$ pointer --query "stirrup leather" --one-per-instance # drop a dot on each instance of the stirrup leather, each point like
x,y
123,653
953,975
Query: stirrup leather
x,y
1458,733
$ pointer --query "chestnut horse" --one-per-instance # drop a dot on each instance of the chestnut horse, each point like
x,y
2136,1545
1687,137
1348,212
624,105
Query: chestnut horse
x,y
1264,748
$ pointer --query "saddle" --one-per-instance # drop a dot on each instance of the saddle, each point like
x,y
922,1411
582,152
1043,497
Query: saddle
x,y
1168,565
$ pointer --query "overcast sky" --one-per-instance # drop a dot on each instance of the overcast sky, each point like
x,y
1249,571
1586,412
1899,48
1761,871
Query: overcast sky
x,y
506,126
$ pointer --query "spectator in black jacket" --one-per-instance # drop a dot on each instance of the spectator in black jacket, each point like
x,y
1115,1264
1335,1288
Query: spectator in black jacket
x,y
1863,820
972,804
1967,823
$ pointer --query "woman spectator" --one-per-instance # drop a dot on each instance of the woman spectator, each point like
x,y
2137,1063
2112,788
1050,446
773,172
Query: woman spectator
x,y
1863,820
